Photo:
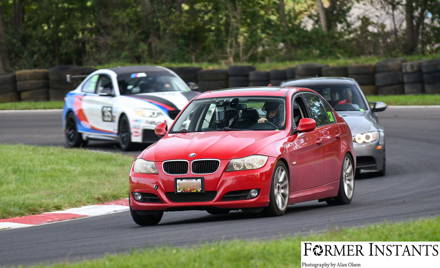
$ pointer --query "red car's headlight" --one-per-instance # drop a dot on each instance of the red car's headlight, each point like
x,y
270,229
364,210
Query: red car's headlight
x,y
246,163
144,166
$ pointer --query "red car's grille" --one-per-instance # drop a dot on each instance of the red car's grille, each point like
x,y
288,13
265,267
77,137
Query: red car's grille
x,y
191,197
176,167
205,166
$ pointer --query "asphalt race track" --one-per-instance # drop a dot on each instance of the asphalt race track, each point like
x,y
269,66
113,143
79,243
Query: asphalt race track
x,y
411,189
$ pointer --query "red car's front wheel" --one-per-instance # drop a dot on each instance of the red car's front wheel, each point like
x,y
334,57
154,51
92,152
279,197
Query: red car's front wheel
x,y
279,191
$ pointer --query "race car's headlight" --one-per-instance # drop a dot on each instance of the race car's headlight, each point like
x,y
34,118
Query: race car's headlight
x,y
143,166
148,113
367,137
245,163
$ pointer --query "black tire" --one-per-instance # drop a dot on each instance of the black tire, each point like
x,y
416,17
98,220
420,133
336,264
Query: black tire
x,y
213,75
35,95
334,71
259,83
9,97
387,79
276,83
361,69
146,218
6,88
240,70
273,209
411,67
259,76
342,198
431,66
432,88
32,85
278,75
34,74
124,133
57,94
363,79
291,73
391,90
217,211
309,69
414,88
59,72
188,74
72,136
389,65
238,81
431,78
212,85
8,79
383,171
369,89
412,77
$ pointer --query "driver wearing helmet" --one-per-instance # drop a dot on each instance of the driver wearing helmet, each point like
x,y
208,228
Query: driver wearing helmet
x,y
272,113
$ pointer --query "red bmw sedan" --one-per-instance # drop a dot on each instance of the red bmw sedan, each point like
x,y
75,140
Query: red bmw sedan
x,y
250,149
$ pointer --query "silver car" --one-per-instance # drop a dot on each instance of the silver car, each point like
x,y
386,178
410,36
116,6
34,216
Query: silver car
x,y
346,97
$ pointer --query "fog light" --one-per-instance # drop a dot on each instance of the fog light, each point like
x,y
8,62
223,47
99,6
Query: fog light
x,y
253,193
137,196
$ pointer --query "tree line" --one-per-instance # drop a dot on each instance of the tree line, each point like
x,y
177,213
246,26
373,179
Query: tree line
x,y
42,33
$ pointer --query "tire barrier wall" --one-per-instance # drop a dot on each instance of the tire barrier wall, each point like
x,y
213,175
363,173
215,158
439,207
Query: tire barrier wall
x,y
391,76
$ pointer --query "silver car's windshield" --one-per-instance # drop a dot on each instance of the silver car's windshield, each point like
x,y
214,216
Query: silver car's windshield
x,y
150,82
342,97
237,113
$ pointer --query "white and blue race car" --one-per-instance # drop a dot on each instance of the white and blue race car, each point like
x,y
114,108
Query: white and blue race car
x,y
123,104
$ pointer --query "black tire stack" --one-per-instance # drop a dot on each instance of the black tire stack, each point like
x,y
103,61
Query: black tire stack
x,y
239,75
291,73
431,76
259,78
212,79
309,70
8,88
58,85
389,78
364,76
188,74
335,71
412,77
33,85
277,76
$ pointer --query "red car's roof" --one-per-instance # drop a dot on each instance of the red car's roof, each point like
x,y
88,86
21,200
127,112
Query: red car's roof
x,y
251,91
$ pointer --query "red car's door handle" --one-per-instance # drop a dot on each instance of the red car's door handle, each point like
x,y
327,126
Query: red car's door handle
x,y
338,136
319,141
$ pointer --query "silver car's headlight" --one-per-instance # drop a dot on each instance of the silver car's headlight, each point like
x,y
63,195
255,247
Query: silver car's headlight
x,y
144,166
245,163
367,137
148,113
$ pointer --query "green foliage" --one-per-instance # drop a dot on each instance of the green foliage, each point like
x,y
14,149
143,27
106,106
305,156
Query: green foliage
x,y
44,33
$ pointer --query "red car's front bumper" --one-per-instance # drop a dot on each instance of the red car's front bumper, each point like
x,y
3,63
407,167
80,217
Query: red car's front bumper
x,y
216,185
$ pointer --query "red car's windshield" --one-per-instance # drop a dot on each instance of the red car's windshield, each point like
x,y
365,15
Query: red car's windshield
x,y
239,113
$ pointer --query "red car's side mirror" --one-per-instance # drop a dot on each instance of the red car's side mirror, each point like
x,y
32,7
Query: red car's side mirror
x,y
306,124
161,129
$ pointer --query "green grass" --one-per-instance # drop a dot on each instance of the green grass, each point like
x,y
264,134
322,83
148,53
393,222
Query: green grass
x,y
283,252
426,99
28,105
278,65
39,179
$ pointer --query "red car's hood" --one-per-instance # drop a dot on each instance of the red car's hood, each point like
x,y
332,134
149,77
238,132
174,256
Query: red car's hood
x,y
217,145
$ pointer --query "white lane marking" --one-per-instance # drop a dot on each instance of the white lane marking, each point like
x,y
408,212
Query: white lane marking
x,y
95,210
414,107
13,225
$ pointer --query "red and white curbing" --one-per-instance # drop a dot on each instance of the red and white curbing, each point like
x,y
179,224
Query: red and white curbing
x,y
68,214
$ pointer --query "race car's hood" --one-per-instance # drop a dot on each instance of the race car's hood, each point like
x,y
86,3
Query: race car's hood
x,y
359,122
166,101
217,145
